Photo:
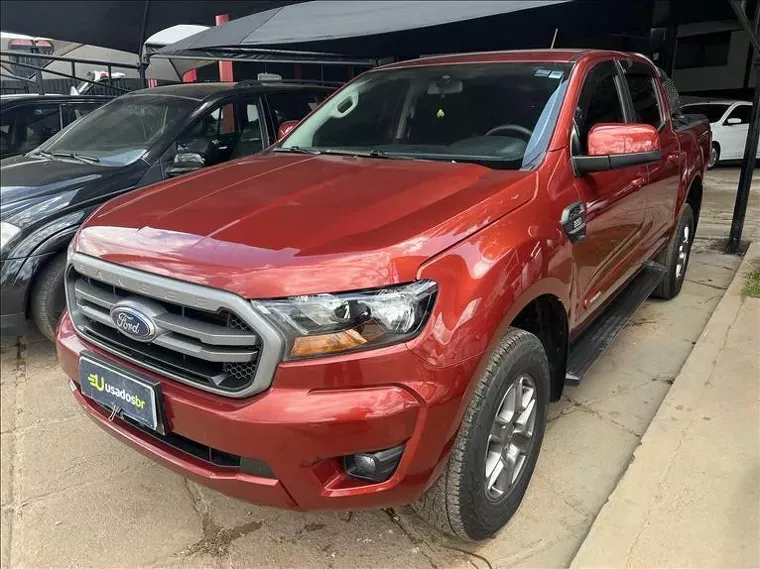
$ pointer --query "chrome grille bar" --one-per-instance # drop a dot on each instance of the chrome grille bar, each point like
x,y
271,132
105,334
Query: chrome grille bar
x,y
194,324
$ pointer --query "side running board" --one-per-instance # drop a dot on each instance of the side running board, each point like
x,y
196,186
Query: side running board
x,y
592,342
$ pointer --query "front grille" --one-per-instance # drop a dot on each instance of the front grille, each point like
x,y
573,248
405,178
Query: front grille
x,y
210,346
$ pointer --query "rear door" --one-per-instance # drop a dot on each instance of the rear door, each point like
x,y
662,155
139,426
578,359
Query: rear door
x,y
735,135
614,204
648,106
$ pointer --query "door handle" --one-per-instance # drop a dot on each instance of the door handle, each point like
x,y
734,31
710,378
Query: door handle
x,y
672,157
638,183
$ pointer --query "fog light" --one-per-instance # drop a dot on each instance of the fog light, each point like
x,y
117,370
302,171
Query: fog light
x,y
375,466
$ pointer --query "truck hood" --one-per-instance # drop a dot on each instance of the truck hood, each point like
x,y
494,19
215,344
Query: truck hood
x,y
29,180
279,225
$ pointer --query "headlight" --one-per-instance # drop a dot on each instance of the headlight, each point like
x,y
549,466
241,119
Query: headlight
x,y
325,324
7,232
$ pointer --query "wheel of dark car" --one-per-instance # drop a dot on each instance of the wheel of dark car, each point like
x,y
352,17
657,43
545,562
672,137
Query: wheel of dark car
x,y
498,443
48,298
675,257
714,155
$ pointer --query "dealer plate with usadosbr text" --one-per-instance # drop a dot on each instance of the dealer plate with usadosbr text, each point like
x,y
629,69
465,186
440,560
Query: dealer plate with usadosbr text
x,y
134,397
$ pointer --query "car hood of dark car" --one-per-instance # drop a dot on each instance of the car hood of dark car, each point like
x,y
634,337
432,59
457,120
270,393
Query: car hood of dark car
x,y
276,225
28,180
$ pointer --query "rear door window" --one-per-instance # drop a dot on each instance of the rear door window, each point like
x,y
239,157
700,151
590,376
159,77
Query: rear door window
x,y
251,138
646,105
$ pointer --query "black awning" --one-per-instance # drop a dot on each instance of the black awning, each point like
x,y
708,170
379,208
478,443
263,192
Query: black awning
x,y
116,24
378,29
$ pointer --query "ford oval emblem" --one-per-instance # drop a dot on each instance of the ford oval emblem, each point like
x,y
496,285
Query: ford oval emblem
x,y
133,323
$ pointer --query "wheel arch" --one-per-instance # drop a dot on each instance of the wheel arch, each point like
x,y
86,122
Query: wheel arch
x,y
694,198
50,248
546,318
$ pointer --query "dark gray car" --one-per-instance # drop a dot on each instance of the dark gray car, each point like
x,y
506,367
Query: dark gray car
x,y
138,139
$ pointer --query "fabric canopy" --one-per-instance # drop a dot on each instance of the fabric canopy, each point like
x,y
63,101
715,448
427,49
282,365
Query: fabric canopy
x,y
363,28
116,24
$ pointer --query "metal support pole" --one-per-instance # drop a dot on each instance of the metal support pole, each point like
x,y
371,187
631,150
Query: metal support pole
x,y
109,69
40,82
750,148
143,66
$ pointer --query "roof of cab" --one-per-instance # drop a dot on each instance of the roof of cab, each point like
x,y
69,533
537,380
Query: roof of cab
x,y
518,55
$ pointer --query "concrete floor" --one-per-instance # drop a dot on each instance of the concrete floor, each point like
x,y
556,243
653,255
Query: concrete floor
x,y
718,205
73,496
699,460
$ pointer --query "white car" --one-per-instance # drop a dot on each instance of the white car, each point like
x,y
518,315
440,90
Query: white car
x,y
729,121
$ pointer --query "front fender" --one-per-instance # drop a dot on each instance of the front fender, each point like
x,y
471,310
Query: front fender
x,y
486,280
51,237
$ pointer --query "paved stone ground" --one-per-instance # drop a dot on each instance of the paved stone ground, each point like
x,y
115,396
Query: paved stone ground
x,y
73,496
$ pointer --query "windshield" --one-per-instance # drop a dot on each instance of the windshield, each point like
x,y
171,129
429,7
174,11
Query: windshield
x,y
120,132
499,115
712,111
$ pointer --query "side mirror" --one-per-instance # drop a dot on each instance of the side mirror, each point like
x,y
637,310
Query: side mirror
x,y
184,163
733,120
285,129
612,146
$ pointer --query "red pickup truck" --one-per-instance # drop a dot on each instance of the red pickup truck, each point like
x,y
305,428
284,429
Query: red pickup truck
x,y
379,309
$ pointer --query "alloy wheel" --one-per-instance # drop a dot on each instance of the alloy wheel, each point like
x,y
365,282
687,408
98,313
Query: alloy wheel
x,y
713,157
509,440
683,252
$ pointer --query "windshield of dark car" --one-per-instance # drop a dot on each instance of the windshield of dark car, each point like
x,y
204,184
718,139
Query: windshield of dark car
x,y
713,111
122,131
500,115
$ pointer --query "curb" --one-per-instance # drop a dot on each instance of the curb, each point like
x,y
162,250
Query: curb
x,y
623,518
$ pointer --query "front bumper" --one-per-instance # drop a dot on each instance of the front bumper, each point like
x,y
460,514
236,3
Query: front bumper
x,y
316,413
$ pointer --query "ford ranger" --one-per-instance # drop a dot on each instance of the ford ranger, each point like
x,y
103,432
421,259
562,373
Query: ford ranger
x,y
379,309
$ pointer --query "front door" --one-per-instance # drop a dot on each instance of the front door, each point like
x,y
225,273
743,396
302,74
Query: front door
x,y
230,130
614,204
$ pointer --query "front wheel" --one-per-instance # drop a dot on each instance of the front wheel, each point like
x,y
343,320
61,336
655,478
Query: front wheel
x,y
498,443
714,156
48,299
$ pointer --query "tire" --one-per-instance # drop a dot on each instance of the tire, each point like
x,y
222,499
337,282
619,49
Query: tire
x,y
676,256
48,298
714,158
461,502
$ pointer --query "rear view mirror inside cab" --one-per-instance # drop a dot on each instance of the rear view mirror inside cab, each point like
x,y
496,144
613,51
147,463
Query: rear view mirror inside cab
x,y
445,86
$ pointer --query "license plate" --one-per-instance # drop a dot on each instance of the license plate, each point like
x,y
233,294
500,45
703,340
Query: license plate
x,y
121,391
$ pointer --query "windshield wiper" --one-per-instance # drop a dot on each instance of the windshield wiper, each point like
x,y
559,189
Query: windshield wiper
x,y
76,156
297,150
371,153
73,155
